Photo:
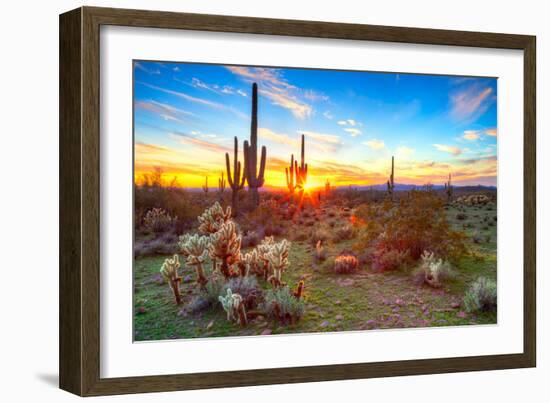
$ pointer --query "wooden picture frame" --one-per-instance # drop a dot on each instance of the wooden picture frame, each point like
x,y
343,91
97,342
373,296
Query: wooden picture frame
x,y
80,199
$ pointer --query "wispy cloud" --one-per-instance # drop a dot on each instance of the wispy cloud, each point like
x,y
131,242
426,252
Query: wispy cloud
x,y
375,144
165,111
140,66
353,131
184,138
322,137
491,132
349,122
320,141
196,100
328,115
275,87
218,89
471,102
298,109
280,138
315,96
448,149
404,152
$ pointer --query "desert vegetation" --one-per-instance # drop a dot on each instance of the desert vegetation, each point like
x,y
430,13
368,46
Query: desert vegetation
x,y
244,259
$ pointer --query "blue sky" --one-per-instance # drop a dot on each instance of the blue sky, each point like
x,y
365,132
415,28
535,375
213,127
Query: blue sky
x,y
186,116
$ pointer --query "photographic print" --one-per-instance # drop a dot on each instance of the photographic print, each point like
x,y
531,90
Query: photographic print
x,y
274,200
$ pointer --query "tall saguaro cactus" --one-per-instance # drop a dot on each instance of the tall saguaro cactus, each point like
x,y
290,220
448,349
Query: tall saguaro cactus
x,y
301,170
205,186
391,184
221,186
449,190
254,178
236,182
290,178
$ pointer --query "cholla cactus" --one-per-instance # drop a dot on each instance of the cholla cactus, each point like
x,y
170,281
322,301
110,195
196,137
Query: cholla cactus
x,y
213,218
434,270
278,261
157,220
169,272
196,250
226,246
233,305
254,262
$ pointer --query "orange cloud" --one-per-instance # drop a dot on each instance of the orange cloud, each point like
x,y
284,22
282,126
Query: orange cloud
x,y
448,149
375,144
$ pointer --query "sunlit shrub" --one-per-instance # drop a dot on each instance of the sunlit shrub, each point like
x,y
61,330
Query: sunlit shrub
x,y
320,253
345,264
481,296
319,234
344,233
248,288
157,220
281,304
390,259
400,232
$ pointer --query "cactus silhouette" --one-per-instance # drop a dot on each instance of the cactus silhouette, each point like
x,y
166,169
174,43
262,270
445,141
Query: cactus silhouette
x,y
236,182
301,170
254,178
391,184
290,179
205,186
449,190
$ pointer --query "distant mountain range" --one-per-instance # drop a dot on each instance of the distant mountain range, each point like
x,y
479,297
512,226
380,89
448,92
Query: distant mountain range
x,y
407,187
399,187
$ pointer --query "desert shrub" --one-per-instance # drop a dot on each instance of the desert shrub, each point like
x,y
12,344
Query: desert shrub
x,y
319,234
460,216
481,296
252,238
299,236
432,271
281,304
157,246
344,233
273,229
213,289
198,304
157,220
390,259
399,232
320,253
345,264
248,288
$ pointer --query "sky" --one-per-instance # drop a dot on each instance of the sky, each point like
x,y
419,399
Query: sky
x,y
187,114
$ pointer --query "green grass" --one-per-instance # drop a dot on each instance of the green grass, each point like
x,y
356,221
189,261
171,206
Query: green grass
x,y
364,300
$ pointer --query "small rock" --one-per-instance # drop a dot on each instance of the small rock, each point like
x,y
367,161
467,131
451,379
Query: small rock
x,y
339,317
325,323
399,302
266,332
187,279
455,305
337,302
461,315
209,326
